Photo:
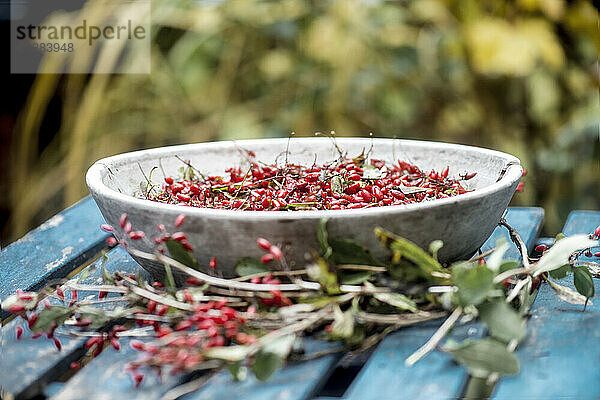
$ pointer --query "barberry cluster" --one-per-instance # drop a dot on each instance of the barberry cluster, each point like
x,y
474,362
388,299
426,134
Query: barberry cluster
x,y
346,184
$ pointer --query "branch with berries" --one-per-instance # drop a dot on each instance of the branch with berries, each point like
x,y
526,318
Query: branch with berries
x,y
344,294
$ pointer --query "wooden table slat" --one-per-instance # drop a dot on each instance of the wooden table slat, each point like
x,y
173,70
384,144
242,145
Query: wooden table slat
x,y
52,250
435,376
560,355
296,381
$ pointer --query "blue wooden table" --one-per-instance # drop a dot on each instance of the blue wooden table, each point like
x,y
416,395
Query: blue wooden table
x,y
559,358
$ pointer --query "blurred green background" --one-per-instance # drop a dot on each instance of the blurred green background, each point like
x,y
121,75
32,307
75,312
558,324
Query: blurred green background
x,y
517,76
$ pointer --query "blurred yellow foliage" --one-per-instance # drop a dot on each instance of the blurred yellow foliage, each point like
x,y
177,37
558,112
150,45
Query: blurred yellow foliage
x,y
516,76
498,47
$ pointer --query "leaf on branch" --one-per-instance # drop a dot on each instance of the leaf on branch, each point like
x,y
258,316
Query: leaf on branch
x,y
434,248
322,238
409,250
568,294
397,300
502,321
508,265
483,357
250,266
494,261
107,278
348,251
56,314
342,327
319,272
337,185
179,253
238,371
322,301
271,357
561,273
583,281
559,253
86,272
228,353
473,281
360,159
98,316
355,277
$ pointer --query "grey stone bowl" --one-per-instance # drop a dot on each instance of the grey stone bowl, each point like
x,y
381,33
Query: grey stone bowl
x,y
463,222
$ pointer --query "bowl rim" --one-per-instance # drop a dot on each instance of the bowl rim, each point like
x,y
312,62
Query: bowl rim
x,y
100,168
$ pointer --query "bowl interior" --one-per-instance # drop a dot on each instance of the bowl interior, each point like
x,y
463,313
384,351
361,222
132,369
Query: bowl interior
x,y
127,172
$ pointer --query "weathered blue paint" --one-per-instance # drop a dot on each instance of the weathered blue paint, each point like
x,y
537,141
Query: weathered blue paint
x,y
435,377
105,378
296,381
27,365
527,221
52,250
559,357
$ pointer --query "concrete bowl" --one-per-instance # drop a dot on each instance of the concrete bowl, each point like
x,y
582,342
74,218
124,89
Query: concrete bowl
x,y
463,222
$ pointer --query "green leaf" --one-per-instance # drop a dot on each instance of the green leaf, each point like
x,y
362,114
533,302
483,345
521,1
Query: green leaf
x,y
322,238
502,321
355,277
107,278
409,250
265,365
85,273
139,278
250,266
348,251
473,281
56,314
271,357
357,337
494,261
397,300
508,265
169,279
319,272
483,357
238,371
322,301
559,253
561,273
179,253
360,159
583,281
337,185
526,297
434,248
567,294
99,317
342,327
228,353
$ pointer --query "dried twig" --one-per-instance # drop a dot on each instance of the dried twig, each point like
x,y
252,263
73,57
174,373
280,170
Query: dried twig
x,y
435,339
